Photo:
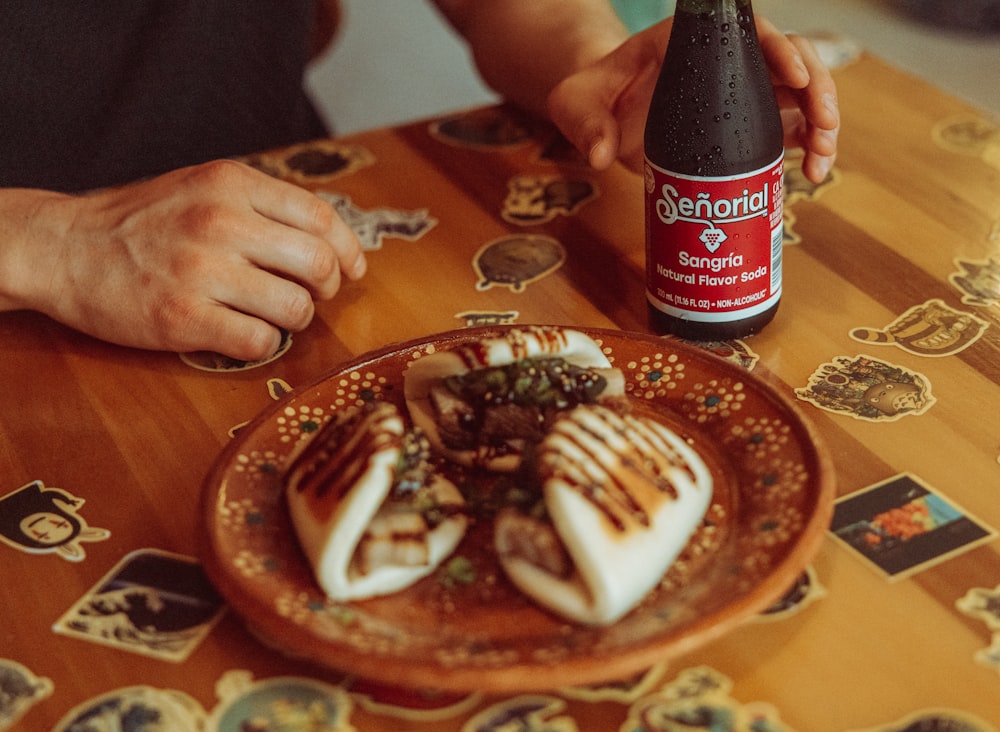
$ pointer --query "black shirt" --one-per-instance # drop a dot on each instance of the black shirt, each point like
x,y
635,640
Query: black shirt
x,y
100,92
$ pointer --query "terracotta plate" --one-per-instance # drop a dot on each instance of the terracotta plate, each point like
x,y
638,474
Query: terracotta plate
x,y
472,630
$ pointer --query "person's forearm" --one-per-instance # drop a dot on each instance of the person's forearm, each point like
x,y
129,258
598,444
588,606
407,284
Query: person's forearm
x,y
523,49
26,229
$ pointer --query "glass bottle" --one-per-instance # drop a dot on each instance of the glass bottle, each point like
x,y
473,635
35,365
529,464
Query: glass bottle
x,y
713,178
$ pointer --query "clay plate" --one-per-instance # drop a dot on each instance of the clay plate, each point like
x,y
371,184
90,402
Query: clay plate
x,y
473,631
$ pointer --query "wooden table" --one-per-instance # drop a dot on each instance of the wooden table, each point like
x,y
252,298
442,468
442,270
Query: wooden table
x,y
891,279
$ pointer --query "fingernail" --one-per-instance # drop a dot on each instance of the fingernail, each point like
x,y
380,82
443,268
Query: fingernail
x,y
359,267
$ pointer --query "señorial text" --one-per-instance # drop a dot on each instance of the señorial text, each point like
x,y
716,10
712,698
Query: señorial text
x,y
672,206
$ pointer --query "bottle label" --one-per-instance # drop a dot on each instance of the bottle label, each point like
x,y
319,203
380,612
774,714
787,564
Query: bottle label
x,y
713,245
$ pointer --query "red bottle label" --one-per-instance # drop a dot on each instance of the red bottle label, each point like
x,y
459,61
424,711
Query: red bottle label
x,y
713,245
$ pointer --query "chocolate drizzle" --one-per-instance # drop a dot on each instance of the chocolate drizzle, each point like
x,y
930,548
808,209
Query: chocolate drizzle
x,y
623,465
340,453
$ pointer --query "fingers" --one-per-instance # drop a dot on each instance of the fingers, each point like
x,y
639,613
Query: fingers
x,y
601,109
807,95
304,238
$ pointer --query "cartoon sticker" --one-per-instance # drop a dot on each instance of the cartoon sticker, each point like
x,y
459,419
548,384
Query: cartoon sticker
x,y
136,707
901,526
799,188
978,281
735,352
216,362
152,602
945,720
973,136
517,260
415,705
279,703
373,225
984,604
482,128
700,695
990,657
317,161
930,329
624,691
528,712
536,199
865,388
19,691
475,318
804,592
41,520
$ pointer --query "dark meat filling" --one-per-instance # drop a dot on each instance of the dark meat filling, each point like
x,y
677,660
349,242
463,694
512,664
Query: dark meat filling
x,y
487,407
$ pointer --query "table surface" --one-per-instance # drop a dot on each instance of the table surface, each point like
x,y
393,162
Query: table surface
x,y
892,280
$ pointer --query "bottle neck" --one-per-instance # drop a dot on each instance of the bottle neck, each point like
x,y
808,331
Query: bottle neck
x,y
697,7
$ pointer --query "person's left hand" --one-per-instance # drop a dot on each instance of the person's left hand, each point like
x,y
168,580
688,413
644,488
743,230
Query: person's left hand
x,y
602,108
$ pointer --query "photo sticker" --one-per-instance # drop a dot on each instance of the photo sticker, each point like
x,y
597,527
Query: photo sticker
x,y
901,526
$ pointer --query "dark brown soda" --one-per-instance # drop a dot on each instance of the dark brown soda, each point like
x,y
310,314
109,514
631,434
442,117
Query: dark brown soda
x,y
713,114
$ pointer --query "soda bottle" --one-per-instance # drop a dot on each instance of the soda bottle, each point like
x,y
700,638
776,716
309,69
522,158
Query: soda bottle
x,y
713,178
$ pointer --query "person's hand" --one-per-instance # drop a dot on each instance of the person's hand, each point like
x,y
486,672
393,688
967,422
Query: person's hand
x,y
214,257
602,108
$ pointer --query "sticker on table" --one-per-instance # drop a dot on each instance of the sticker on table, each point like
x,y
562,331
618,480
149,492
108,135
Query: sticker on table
x,y
19,691
537,199
990,657
317,161
944,720
371,226
978,281
930,329
279,703
703,695
799,188
972,136
517,260
39,520
136,708
624,691
790,237
561,151
477,318
152,603
804,592
527,712
901,526
984,604
736,352
277,389
414,705
866,388
493,127
216,362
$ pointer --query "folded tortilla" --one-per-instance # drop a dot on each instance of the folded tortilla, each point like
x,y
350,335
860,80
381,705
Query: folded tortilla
x,y
367,527
623,495
427,400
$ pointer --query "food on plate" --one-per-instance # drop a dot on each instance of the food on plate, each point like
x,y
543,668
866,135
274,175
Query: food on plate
x,y
622,495
483,404
371,513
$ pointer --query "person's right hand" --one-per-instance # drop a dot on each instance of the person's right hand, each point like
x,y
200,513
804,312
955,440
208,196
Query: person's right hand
x,y
214,257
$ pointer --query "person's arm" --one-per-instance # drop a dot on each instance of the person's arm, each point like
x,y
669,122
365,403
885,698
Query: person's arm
x,y
524,49
214,257
597,81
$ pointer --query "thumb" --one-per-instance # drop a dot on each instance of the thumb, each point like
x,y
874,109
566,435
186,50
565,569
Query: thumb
x,y
581,107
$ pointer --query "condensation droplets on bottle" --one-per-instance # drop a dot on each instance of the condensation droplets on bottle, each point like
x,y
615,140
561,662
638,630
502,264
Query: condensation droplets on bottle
x,y
713,179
